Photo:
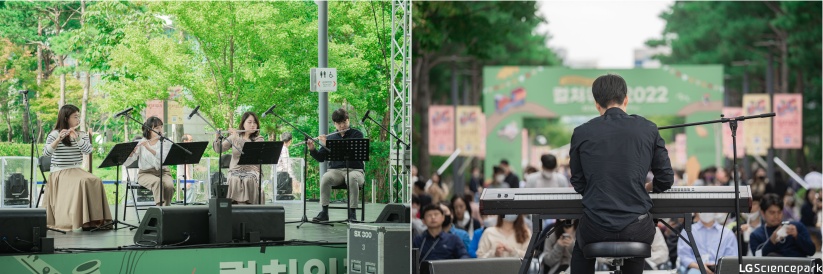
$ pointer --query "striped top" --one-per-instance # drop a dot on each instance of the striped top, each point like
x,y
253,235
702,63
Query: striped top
x,y
64,157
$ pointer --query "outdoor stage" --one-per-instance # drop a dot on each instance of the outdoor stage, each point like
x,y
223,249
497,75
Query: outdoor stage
x,y
312,248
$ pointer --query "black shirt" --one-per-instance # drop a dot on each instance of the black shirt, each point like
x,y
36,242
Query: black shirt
x,y
320,154
609,158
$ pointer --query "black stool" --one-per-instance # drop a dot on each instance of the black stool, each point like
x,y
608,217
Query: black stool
x,y
617,250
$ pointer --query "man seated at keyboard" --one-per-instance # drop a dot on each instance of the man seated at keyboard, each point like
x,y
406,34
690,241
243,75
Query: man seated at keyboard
x,y
434,243
609,158
777,238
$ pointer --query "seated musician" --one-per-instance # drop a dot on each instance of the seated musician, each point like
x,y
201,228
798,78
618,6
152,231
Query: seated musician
x,y
337,172
609,158
243,179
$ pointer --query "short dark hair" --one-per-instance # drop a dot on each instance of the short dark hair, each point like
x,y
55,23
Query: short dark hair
x,y
339,115
771,199
497,169
609,89
504,162
285,137
431,207
151,123
549,161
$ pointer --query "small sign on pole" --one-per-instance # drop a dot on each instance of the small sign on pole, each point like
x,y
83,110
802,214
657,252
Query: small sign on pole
x,y
323,79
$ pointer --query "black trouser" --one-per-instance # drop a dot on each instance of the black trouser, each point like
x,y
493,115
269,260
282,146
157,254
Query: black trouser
x,y
641,230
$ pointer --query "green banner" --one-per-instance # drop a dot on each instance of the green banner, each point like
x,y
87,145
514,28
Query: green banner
x,y
513,93
328,258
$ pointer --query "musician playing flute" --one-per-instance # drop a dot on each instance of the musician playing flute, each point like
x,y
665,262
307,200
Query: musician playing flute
x,y
242,179
147,154
74,199
336,174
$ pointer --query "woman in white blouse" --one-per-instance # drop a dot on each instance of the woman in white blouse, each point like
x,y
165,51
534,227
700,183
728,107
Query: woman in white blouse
x,y
509,238
147,153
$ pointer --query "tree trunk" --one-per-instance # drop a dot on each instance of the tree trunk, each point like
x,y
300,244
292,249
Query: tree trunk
x,y
8,123
423,101
39,54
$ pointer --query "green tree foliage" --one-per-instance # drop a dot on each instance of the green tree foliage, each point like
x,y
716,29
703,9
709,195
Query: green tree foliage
x,y
227,57
731,33
466,36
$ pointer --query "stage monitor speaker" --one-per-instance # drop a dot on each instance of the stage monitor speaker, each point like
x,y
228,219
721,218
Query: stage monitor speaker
x,y
395,213
258,222
474,266
17,187
219,188
187,225
728,265
21,229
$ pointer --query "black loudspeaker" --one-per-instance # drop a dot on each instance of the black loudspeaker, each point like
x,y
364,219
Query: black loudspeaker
x,y
283,183
17,187
474,266
254,223
395,213
187,225
219,188
728,265
21,229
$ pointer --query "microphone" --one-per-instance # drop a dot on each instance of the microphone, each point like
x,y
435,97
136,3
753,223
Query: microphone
x,y
193,112
365,117
23,91
125,112
268,111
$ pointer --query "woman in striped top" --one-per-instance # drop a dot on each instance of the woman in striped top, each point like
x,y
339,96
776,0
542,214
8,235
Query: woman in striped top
x,y
243,178
148,153
75,199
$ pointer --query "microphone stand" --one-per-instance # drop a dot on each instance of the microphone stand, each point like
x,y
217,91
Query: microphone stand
x,y
219,149
308,137
33,145
397,156
162,139
733,126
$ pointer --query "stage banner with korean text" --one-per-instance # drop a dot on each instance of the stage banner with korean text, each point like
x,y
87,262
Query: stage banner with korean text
x,y
441,130
731,112
154,108
175,113
788,121
757,132
471,135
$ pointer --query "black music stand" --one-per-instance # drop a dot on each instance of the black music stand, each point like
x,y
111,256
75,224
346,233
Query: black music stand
x,y
259,154
116,158
179,156
348,150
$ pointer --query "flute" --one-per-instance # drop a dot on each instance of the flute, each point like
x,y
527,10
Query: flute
x,y
327,135
236,131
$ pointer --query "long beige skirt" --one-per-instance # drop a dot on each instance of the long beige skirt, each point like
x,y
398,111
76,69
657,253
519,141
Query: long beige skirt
x,y
75,198
243,189
150,178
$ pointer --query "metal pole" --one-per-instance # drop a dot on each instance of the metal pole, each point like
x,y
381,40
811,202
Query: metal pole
x,y
323,62
770,90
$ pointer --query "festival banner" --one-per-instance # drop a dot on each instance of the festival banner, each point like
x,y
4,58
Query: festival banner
x,y
757,132
441,130
471,136
731,112
175,113
154,108
788,122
